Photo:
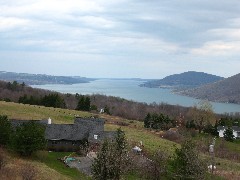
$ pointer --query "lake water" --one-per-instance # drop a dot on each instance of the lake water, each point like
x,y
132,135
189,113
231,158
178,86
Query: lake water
x,y
129,89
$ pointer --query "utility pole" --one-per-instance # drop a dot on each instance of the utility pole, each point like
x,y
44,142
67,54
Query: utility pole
x,y
212,154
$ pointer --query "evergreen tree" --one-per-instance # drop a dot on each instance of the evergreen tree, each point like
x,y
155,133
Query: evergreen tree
x,y
120,153
112,159
187,164
87,104
147,121
228,134
53,100
84,104
27,138
5,130
106,110
101,167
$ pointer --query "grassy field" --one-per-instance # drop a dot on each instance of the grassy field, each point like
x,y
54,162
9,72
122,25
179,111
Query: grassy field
x,y
32,112
134,131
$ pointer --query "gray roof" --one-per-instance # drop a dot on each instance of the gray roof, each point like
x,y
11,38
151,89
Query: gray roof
x,y
101,136
15,122
222,128
65,132
236,128
82,128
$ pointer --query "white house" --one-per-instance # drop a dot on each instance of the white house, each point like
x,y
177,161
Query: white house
x,y
236,131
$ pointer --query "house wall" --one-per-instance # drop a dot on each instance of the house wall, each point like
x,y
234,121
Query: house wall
x,y
63,145
221,133
235,134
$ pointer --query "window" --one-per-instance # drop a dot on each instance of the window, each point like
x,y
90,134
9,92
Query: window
x,y
54,142
95,136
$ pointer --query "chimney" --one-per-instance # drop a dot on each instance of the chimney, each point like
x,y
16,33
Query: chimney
x,y
49,121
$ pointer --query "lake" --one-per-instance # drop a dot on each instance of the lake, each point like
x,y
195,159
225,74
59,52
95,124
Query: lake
x,y
130,89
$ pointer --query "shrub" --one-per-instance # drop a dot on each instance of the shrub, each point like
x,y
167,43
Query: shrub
x,y
172,136
5,130
112,159
228,134
186,163
28,138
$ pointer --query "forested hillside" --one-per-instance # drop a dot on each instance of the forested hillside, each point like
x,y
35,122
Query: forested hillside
x,y
227,90
16,92
184,80
37,79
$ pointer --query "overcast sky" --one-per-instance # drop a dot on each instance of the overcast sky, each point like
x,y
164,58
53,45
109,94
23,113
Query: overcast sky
x,y
120,38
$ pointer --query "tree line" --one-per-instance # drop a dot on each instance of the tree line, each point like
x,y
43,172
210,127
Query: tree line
x,y
112,105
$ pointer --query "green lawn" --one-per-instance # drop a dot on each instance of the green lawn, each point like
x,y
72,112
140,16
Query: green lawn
x,y
51,160
151,141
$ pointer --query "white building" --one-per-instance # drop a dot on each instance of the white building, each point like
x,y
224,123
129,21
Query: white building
x,y
236,131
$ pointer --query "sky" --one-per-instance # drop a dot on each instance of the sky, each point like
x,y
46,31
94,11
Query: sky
x,y
120,38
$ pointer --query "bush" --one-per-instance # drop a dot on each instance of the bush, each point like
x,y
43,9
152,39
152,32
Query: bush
x,y
228,134
27,138
186,164
172,136
112,159
5,130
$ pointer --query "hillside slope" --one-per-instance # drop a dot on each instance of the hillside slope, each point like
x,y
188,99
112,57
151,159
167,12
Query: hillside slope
x,y
227,90
134,130
184,80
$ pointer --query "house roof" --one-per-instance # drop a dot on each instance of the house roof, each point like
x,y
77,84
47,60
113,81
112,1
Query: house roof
x,y
65,132
101,136
236,128
222,128
15,122
82,128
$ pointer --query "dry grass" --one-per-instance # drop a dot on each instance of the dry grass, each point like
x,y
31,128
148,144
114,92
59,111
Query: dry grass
x,y
16,166
33,112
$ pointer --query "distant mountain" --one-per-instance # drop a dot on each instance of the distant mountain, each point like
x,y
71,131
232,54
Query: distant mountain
x,y
227,90
39,79
184,80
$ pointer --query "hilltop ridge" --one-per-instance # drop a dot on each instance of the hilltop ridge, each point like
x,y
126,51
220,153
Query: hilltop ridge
x,y
226,90
40,79
184,80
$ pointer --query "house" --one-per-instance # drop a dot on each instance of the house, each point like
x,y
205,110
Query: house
x,y
236,131
68,137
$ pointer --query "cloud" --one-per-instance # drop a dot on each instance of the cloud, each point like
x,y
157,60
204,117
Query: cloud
x,y
158,34
218,48
8,23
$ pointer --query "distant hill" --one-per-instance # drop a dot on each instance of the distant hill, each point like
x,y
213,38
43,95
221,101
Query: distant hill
x,y
227,90
39,79
184,80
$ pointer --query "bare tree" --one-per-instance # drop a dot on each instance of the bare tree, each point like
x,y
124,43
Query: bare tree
x,y
202,115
